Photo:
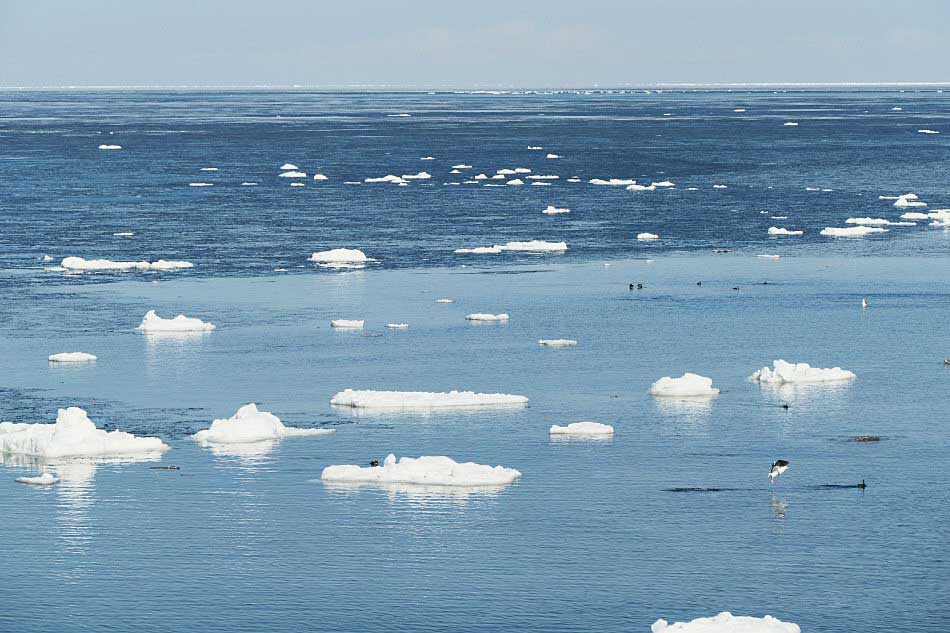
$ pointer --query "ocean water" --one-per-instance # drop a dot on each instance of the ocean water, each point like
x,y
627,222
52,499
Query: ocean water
x,y
592,537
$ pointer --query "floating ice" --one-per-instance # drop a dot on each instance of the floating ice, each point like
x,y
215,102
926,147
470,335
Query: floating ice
x,y
340,256
505,172
45,479
427,158
914,215
522,170
320,177
725,622
535,147
250,425
784,372
908,196
739,110
925,131
481,316
73,435
902,202
552,156
542,177
124,234
445,300
790,124
480,250
867,221
426,470
480,177
248,184
71,357
686,386
663,183
552,210
297,184
538,183
644,237
422,175
851,231
775,230
534,246
401,115
766,256
636,187
557,342
720,187
293,174
368,399
612,182
200,184
582,428
288,167
347,323
516,182
397,326
46,258
390,178
461,166
110,147
208,169
154,323
78,263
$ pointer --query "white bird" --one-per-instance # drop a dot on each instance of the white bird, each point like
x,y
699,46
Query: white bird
x,y
864,302
779,466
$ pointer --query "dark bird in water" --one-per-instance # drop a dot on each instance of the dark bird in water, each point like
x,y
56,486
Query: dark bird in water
x,y
736,288
639,286
785,406
861,485
375,462
779,466
946,361
699,283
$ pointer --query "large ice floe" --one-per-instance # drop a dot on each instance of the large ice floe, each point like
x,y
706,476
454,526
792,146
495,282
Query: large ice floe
x,y
646,237
553,210
582,428
851,231
686,386
908,200
292,174
396,180
725,622
73,435
251,425
776,230
71,357
368,399
481,316
347,324
154,323
783,372
340,258
46,479
532,246
424,471
80,264
613,182
557,342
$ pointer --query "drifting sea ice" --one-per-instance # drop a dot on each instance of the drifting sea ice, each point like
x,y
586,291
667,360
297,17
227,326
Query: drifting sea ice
x,y
914,215
340,256
397,326
250,425
645,237
320,177
790,124
124,234
78,263
110,147
71,357
725,622
851,231
154,323
552,210
45,479
903,202
422,175
515,182
867,221
369,399
481,316
552,156
73,435
288,167
534,246
557,342
775,230
445,300
926,131
612,182
663,183
783,372
200,184
389,178
426,470
347,324
686,386
636,187
293,174
582,428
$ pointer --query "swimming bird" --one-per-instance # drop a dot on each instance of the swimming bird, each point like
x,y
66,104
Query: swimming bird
x,y
779,466
946,361
375,462
864,302
861,485
785,406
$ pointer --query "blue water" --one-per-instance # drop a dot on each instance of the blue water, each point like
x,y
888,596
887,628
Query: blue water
x,y
591,538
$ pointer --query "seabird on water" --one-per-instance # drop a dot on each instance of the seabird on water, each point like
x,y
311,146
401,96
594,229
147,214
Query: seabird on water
x,y
779,466
864,302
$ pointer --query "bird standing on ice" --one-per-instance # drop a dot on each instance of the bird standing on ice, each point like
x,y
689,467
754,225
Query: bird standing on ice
x,y
779,466
864,302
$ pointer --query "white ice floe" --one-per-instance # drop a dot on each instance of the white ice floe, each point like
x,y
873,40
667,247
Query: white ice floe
x,y
538,183
542,177
739,110
612,182
686,386
461,166
351,324
767,256
790,124
522,170
293,174
926,131
552,210
248,184
481,177
582,428
46,479
557,342
480,250
427,158
154,323
200,184
288,167
250,425
73,435
320,177
426,470
636,187
775,230
208,169
515,182
867,221
783,372
110,147
340,256
71,357
663,183
534,246
78,263
401,115
397,326
851,231
422,175
505,172
552,156
908,196
903,203
124,234
535,147
297,184
915,215
720,186
725,622
369,399
645,237
481,316
389,178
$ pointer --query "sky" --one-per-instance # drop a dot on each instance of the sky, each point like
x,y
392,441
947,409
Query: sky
x,y
445,43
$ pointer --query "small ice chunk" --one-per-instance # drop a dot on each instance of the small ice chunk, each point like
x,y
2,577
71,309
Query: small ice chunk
x,y
110,147
720,187
481,316
643,237
636,187
72,357
783,372
867,221
552,210
369,399
582,428
445,300
251,425
422,175
390,178
686,386
397,326
340,256
914,215
542,177
297,184
293,174
480,177
739,110
154,323
790,124
613,182
461,166
320,177
78,263
903,202
208,169
557,342
248,184
124,234
535,147
552,156
777,230
200,184
538,183
664,183
535,246
426,470
45,479
766,256
288,167
725,622
515,182
926,131
427,158
851,231
347,323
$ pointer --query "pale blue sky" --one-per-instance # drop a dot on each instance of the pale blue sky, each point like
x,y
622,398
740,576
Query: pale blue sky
x,y
447,43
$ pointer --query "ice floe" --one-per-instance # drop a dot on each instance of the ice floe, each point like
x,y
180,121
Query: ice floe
x,y
154,323
915,215
461,166
208,169
293,174
542,177
725,622
538,183
557,342
124,234
46,479
867,221
422,175
776,230
351,324
80,264
582,428
720,186
552,210
297,184
251,425
200,184
71,357
390,178
534,246
612,182
663,183
851,231
425,471
340,257
110,146
686,386
926,131
646,237
73,435
783,372
790,124
427,158
535,147
552,156
904,202
445,300
481,316
636,187
515,182
320,177
288,167
397,326
369,399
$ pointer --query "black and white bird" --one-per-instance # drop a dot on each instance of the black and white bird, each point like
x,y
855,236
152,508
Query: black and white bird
x,y
864,302
779,466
